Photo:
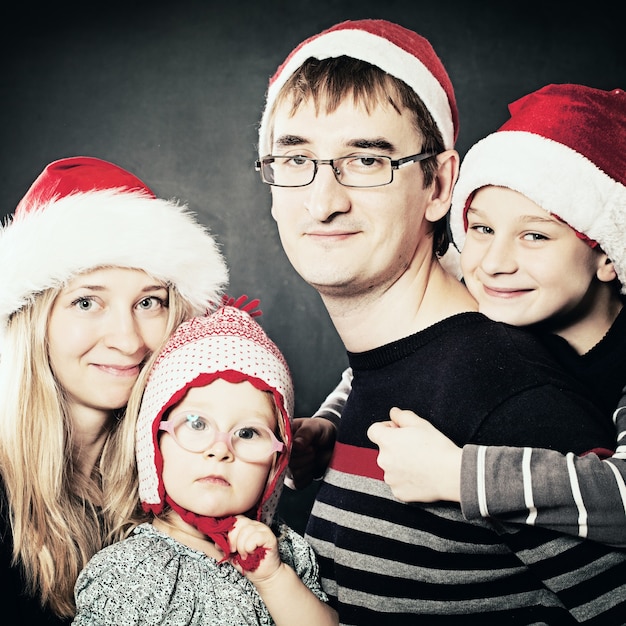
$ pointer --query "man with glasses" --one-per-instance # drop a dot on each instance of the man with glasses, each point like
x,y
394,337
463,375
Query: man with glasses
x,y
357,144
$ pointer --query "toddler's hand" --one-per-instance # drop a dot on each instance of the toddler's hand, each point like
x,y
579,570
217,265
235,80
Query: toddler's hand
x,y
249,536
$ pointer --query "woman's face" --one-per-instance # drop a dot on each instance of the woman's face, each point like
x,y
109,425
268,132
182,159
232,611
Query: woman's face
x,y
103,326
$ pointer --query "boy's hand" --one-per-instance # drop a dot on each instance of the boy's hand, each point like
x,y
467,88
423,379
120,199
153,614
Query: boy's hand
x,y
420,463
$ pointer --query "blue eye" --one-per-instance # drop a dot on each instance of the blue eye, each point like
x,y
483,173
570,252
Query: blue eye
x,y
535,237
84,304
483,230
298,160
195,422
151,302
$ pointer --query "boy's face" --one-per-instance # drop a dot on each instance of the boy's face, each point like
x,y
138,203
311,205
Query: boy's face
x,y
523,265
343,240
216,482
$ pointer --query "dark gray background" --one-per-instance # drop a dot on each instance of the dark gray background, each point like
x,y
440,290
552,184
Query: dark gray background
x,y
173,91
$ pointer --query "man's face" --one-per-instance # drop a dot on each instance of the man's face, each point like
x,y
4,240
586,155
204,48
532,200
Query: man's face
x,y
341,240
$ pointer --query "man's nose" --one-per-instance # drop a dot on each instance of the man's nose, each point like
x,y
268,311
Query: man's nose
x,y
326,195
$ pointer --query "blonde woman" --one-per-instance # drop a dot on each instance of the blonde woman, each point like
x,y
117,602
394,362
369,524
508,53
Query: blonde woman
x,y
213,441
97,272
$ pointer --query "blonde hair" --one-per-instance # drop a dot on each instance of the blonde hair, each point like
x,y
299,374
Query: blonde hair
x,y
59,517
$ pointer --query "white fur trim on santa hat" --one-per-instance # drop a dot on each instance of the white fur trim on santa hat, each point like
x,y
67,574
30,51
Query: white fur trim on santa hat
x,y
553,176
47,246
378,51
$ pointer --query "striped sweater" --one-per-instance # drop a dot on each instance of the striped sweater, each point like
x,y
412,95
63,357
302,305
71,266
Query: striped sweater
x,y
582,496
385,562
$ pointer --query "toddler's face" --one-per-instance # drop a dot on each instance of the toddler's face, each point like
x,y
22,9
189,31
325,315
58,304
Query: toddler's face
x,y
523,265
216,482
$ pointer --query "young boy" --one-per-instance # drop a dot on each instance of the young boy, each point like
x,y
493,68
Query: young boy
x,y
213,440
540,213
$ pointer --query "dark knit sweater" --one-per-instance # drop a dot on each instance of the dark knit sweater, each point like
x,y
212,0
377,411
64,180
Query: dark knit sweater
x,y
603,368
583,496
383,561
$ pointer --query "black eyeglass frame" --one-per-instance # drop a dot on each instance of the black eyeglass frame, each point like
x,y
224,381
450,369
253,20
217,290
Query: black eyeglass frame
x,y
396,164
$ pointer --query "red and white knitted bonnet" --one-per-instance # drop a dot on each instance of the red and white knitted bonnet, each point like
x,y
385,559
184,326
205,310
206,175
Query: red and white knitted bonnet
x,y
227,344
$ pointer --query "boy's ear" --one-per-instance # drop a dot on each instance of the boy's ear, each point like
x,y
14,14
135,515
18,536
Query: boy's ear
x,y
606,270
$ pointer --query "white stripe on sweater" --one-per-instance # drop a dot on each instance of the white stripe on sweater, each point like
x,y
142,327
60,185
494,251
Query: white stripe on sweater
x,y
583,529
480,481
528,487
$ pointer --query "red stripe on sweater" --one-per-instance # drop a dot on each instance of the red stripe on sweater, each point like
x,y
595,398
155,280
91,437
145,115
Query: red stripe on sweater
x,y
603,453
354,460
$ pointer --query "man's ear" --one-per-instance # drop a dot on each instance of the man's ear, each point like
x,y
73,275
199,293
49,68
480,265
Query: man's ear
x,y
445,179
606,270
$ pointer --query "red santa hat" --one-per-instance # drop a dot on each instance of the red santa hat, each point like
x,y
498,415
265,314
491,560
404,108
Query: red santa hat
x,y
396,50
227,344
82,213
564,147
